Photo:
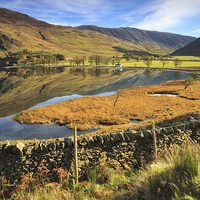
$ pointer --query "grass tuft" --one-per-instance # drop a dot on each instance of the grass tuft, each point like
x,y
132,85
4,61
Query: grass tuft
x,y
173,177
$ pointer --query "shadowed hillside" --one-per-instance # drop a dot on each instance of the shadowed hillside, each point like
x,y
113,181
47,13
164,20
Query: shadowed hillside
x,y
19,31
192,49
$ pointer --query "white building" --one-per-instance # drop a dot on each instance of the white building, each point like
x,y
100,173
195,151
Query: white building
x,y
119,65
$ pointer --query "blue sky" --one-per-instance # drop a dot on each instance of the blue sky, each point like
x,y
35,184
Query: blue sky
x,y
175,16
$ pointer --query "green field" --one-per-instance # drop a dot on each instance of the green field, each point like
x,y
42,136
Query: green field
x,y
158,64
189,58
187,62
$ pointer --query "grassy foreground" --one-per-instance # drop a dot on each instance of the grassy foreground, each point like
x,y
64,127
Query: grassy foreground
x,y
174,175
117,110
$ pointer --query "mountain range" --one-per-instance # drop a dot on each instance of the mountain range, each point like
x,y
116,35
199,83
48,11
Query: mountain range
x,y
19,31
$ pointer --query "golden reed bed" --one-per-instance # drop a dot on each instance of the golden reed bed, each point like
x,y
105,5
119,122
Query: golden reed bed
x,y
117,110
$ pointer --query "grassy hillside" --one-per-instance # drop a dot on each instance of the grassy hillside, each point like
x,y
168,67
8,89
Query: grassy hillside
x,y
19,31
142,40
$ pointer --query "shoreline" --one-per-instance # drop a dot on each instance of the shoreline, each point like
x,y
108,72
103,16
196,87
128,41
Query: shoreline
x,y
182,69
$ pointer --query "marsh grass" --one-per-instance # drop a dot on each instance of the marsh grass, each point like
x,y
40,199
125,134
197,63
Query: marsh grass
x,y
132,104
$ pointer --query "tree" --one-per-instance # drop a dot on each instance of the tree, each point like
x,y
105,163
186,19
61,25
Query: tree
x,y
70,62
91,59
177,62
98,59
138,58
147,61
84,58
33,60
60,56
189,81
113,61
106,61
164,61
118,59
128,58
43,62
77,60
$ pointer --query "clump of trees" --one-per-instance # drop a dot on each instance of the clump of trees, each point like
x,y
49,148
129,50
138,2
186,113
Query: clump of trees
x,y
129,56
32,58
34,71
101,60
78,71
93,59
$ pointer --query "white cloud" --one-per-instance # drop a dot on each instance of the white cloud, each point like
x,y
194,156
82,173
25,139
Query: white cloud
x,y
164,14
84,7
55,10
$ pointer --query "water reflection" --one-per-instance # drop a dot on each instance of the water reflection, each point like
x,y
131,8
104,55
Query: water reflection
x,y
82,71
164,74
118,72
11,130
178,75
25,72
148,73
24,88
172,95
68,97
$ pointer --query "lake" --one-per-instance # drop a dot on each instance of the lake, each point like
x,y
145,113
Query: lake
x,y
25,88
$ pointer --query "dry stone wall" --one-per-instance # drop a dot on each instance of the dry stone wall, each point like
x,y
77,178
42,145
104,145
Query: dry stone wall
x,y
130,148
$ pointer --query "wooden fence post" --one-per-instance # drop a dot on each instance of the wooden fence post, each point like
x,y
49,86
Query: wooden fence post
x,y
154,139
75,155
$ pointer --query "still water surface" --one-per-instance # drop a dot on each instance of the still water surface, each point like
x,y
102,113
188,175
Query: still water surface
x,y
27,88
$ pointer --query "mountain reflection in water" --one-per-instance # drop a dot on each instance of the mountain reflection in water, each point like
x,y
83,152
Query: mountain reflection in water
x,y
24,88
